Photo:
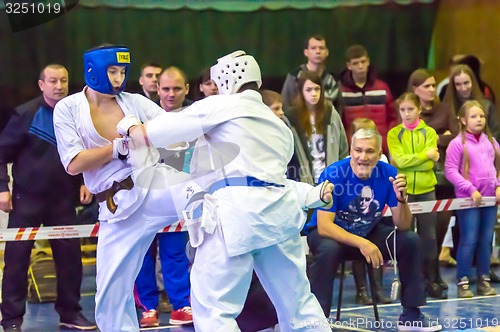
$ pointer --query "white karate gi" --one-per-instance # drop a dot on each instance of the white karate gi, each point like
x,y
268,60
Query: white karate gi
x,y
243,228
150,205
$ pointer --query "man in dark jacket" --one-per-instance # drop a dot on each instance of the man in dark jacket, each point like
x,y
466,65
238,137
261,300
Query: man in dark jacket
x,y
316,53
149,80
42,193
364,95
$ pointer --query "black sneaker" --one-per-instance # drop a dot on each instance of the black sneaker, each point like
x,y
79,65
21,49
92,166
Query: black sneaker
x,y
12,328
164,304
78,323
362,297
421,323
494,278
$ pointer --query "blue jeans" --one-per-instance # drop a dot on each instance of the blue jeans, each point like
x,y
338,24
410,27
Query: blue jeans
x,y
476,234
175,270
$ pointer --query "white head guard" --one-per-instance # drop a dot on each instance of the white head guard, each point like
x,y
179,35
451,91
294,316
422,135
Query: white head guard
x,y
234,70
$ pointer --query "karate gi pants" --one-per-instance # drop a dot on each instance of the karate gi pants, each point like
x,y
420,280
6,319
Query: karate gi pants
x,y
219,285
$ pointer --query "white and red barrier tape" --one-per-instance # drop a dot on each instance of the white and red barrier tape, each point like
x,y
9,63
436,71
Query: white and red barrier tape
x,y
442,205
65,232
77,231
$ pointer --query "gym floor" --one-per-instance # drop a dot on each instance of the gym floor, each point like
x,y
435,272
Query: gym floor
x,y
476,314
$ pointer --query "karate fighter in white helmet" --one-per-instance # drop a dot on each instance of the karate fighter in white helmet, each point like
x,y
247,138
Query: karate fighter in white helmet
x,y
251,214
137,195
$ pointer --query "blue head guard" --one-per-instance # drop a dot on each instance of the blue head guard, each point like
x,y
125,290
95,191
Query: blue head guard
x,y
96,63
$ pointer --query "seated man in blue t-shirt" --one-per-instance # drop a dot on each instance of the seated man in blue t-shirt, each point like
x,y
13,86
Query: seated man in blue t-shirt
x,y
351,228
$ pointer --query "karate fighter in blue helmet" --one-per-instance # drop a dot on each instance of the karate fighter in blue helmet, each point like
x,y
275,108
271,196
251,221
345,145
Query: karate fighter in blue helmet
x,y
137,195
251,214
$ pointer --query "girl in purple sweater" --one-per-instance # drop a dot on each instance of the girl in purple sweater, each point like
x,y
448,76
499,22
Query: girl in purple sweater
x,y
472,166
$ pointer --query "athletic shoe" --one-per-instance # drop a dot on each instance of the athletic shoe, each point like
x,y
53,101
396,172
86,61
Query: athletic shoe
x,y
484,288
420,323
181,316
150,319
78,323
12,328
463,289
494,279
164,304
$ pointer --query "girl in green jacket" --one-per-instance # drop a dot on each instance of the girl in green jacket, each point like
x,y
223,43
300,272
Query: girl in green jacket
x,y
413,149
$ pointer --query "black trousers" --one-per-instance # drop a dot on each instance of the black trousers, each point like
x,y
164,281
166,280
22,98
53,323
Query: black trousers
x,y
258,312
33,212
328,254
426,227
443,192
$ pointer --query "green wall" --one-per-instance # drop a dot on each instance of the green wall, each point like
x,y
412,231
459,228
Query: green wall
x,y
397,37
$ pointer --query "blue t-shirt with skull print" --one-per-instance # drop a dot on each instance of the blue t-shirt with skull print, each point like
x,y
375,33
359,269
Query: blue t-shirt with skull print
x,y
358,204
